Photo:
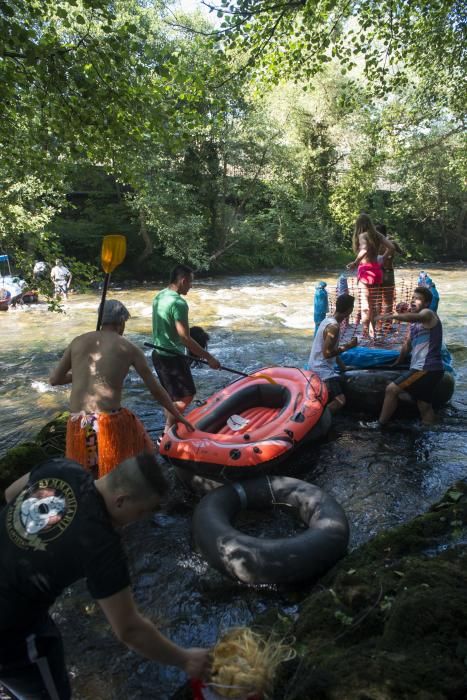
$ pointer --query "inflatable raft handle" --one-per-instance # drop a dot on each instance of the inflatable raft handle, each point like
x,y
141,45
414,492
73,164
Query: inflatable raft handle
x,y
205,362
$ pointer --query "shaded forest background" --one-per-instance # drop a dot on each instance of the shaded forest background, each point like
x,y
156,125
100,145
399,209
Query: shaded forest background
x,y
245,143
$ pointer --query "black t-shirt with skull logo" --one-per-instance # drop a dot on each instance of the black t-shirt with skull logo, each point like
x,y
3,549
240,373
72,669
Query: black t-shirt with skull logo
x,y
56,531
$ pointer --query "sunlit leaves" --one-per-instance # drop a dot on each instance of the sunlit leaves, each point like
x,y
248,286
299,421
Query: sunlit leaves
x,y
387,36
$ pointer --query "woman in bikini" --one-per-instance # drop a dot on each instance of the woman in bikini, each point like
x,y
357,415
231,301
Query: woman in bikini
x,y
366,243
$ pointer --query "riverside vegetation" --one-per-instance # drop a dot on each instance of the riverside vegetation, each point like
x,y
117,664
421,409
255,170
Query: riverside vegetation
x,y
180,132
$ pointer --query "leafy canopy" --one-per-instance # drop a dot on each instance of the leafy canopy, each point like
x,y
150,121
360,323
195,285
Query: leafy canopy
x,y
297,37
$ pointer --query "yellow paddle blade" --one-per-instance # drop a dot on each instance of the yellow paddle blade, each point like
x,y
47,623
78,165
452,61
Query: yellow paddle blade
x,y
113,252
266,377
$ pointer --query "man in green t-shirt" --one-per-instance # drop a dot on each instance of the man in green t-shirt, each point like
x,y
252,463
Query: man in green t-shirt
x,y
171,330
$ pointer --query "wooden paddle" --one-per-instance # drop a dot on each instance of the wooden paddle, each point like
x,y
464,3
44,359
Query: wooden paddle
x,y
205,362
112,255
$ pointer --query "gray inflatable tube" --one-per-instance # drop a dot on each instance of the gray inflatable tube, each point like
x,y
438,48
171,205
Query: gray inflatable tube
x,y
284,560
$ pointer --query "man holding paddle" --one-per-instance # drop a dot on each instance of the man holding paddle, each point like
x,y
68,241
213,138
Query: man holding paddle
x,y
100,433
171,335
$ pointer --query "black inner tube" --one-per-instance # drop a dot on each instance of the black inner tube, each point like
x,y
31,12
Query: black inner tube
x,y
255,560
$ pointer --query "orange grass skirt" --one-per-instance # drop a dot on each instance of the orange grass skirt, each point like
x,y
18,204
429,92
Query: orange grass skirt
x,y
119,435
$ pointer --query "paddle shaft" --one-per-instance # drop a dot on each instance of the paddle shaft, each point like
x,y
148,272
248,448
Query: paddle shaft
x,y
197,359
101,307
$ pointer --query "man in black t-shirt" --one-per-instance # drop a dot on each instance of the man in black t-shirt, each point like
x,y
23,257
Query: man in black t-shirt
x,y
59,526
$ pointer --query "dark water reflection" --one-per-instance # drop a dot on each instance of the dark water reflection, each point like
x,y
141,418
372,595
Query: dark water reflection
x,y
381,479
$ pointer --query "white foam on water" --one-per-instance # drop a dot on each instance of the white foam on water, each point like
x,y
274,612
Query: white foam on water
x,y
256,311
225,322
298,320
41,387
145,311
82,305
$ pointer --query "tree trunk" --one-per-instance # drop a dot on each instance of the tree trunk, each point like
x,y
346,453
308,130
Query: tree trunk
x,y
148,244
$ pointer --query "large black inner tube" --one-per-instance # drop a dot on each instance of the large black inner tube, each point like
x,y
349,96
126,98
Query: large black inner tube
x,y
265,395
364,389
255,560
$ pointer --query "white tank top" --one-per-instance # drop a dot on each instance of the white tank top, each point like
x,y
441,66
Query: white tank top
x,y
324,368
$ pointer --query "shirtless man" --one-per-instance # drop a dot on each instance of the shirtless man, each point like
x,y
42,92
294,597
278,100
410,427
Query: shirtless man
x,y
325,351
100,433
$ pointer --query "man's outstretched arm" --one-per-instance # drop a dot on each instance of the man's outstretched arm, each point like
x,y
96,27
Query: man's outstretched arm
x,y
425,316
141,635
193,347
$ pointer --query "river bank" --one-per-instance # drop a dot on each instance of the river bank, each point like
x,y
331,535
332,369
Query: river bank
x,y
382,481
387,623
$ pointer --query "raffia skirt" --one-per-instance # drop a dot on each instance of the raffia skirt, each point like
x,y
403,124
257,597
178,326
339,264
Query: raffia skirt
x,y
100,441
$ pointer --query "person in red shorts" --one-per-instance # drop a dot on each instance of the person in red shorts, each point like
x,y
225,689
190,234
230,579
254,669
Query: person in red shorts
x,y
366,243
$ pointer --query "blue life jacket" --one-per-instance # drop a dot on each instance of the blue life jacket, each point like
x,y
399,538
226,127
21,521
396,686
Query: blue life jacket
x,y
435,301
321,303
342,286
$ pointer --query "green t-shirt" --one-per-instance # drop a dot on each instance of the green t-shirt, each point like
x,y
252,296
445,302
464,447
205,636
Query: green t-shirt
x,y
168,307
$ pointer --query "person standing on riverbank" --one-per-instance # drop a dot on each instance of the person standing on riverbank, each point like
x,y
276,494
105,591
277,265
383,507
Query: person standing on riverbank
x,y
100,433
426,365
39,270
61,277
325,351
58,527
171,333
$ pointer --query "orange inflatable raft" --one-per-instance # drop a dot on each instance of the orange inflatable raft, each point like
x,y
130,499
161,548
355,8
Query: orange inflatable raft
x,y
251,425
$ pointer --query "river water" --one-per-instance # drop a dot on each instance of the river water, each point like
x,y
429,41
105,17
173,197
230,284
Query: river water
x,y
381,479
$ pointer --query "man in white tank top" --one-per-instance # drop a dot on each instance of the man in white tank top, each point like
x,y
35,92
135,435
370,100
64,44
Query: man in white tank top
x,y
325,351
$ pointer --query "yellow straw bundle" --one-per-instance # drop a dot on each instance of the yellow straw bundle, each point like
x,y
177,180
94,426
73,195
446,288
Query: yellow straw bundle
x,y
244,663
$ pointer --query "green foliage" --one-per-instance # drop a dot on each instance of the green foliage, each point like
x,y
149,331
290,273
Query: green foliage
x,y
384,37
117,120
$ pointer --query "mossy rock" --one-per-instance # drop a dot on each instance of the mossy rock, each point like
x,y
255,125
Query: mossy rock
x,y
389,622
50,442
18,461
52,436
